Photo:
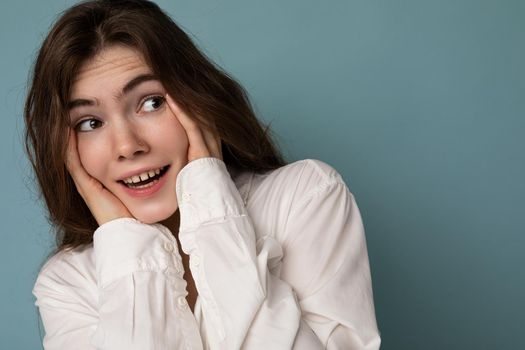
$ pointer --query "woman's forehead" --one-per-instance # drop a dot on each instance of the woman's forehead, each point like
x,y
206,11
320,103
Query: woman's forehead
x,y
110,58
110,67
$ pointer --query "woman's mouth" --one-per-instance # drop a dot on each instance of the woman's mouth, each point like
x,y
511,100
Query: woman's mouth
x,y
146,183
146,179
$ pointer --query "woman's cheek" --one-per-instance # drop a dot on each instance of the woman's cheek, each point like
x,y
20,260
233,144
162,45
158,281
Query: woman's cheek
x,y
91,156
179,143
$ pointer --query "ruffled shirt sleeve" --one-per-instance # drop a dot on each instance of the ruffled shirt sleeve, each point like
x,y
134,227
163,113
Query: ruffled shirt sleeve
x,y
129,294
326,262
243,305
320,297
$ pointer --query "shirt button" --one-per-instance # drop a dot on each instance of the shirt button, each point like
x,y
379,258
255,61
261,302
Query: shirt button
x,y
168,246
186,197
182,303
178,267
195,260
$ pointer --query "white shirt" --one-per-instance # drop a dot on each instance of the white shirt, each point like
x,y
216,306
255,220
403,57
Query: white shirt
x,y
279,261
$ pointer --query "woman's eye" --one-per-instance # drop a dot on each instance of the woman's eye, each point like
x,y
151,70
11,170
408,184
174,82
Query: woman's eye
x,y
152,103
88,125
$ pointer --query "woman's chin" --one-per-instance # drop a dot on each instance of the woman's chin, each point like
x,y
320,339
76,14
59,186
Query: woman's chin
x,y
153,217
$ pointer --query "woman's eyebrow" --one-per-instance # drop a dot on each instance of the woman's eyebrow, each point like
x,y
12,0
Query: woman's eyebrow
x,y
130,85
137,81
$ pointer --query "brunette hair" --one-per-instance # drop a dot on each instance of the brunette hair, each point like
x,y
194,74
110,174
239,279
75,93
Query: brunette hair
x,y
201,88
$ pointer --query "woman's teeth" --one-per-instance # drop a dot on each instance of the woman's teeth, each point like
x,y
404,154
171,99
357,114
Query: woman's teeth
x,y
146,179
142,177
149,184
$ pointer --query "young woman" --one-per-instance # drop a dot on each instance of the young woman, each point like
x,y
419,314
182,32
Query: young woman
x,y
179,226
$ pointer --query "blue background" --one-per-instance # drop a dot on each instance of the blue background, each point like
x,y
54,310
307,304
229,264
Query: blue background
x,y
419,104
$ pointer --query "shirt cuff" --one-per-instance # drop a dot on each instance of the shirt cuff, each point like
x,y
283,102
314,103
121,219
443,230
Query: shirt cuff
x,y
125,245
206,193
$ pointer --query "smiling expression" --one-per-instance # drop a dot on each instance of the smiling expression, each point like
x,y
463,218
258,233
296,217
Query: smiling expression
x,y
125,128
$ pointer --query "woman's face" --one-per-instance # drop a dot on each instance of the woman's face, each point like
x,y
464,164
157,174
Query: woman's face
x,y
125,128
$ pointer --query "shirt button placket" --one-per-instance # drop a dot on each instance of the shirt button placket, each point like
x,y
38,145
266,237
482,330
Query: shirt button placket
x,y
195,260
186,197
182,303
168,246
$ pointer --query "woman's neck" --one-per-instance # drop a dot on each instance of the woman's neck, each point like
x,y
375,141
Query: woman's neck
x,y
172,223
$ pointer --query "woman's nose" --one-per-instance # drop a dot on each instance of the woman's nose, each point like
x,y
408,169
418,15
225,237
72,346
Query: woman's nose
x,y
128,142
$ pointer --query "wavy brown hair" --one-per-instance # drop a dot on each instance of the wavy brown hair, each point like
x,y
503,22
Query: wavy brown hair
x,y
200,87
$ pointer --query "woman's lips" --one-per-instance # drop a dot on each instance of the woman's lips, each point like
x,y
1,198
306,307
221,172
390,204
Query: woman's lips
x,y
147,191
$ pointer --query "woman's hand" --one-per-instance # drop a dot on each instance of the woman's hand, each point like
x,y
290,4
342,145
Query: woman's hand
x,y
103,204
202,143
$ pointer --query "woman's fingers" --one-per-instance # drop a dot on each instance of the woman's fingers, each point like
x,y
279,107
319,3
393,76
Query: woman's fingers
x,y
195,137
214,143
103,204
85,183
202,143
73,165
